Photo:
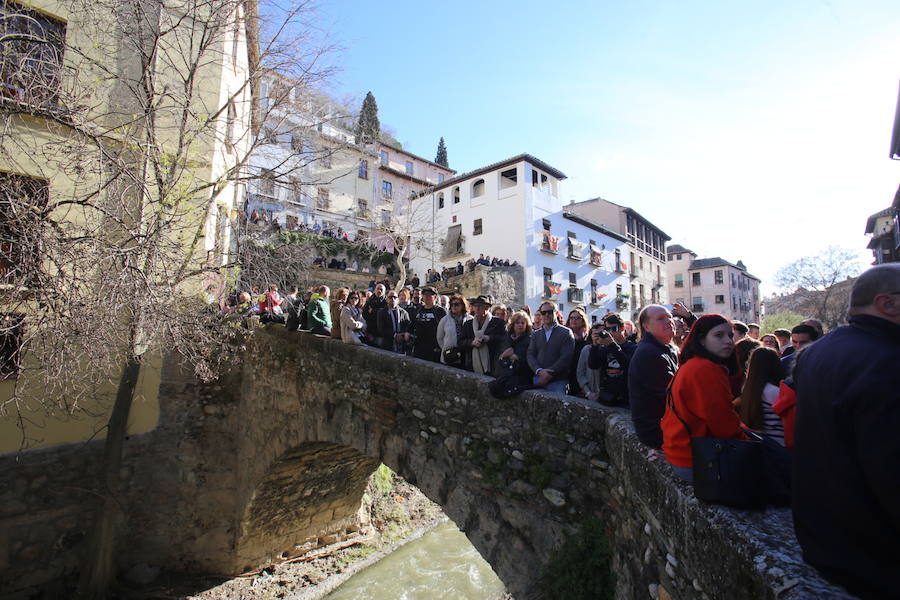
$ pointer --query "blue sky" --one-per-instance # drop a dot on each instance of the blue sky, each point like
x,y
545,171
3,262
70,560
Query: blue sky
x,y
753,131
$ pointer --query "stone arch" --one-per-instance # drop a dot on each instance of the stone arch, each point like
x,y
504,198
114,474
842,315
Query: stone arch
x,y
312,490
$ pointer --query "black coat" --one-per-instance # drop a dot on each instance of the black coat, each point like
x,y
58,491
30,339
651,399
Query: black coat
x,y
386,326
650,371
496,332
370,313
847,455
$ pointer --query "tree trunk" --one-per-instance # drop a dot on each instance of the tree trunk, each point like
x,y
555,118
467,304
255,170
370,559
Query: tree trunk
x,y
98,571
401,270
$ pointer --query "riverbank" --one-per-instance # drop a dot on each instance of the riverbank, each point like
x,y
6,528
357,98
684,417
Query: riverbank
x,y
393,513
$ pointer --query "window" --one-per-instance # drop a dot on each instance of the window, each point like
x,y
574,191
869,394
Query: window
x,y
573,279
732,280
266,183
719,276
362,207
440,178
32,56
697,305
322,200
363,169
548,274
409,167
476,228
720,299
508,179
618,289
296,143
456,195
678,257
383,156
695,278
10,345
478,188
641,262
454,245
21,200
387,190
440,200
620,268
679,280
545,223
385,217
326,158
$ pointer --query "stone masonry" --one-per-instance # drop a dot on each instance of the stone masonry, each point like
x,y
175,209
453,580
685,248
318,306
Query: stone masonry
x,y
276,454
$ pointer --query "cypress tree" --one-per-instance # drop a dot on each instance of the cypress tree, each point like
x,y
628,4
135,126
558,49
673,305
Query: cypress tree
x,y
368,129
441,157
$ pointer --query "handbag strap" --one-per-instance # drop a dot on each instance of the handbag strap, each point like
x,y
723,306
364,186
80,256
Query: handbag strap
x,y
671,402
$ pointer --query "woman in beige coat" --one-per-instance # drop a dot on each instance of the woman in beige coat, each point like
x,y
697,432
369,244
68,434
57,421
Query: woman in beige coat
x,y
351,319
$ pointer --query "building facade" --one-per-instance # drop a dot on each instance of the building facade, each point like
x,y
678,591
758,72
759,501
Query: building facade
x,y
73,91
646,258
713,285
512,210
311,171
884,227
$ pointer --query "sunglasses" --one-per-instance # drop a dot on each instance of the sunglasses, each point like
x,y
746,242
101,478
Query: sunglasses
x,y
392,297
546,312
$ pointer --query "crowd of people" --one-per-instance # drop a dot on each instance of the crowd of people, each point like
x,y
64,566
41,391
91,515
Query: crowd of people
x,y
831,402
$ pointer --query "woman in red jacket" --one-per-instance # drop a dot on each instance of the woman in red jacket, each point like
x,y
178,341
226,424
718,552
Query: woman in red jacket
x,y
701,392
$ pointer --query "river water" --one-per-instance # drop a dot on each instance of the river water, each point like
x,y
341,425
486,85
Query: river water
x,y
441,565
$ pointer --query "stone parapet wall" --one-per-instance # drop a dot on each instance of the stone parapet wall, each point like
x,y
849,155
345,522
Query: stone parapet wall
x,y
275,453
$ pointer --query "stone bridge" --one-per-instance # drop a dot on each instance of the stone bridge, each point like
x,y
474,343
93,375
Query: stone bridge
x,y
278,452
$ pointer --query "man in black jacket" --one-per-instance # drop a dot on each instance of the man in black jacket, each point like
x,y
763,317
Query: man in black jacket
x,y
847,449
651,369
611,355
370,311
424,327
393,325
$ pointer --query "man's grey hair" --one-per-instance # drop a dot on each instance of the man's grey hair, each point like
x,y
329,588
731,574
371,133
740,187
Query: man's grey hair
x,y
880,279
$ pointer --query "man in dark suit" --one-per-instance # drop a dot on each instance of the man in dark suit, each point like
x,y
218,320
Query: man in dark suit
x,y
550,351
393,324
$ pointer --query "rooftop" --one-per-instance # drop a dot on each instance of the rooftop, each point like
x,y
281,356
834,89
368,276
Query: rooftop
x,y
595,226
887,212
416,156
678,249
499,165
717,261
633,213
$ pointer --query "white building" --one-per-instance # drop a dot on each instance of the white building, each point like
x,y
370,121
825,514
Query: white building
x,y
646,260
512,210
713,285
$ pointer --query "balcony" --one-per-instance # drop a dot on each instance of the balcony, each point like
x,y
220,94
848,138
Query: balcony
x,y
621,301
620,267
454,246
575,250
659,282
550,243
596,258
552,289
576,295
633,272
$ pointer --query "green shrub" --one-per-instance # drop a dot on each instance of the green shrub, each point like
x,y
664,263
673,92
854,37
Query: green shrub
x,y
581,569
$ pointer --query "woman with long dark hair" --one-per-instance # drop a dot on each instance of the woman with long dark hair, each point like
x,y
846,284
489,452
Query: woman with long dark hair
x,y
764,374
701,393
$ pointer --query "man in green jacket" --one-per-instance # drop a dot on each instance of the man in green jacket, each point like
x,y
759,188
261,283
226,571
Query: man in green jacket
x,y
319,312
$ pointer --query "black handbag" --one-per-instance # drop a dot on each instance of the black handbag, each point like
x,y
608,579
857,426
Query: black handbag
x,y
727,472
452,356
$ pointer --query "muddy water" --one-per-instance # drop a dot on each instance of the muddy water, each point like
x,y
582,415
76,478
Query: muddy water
x,y
442,564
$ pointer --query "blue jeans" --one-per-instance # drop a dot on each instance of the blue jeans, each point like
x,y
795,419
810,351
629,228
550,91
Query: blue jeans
x,y
686,473
557,385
